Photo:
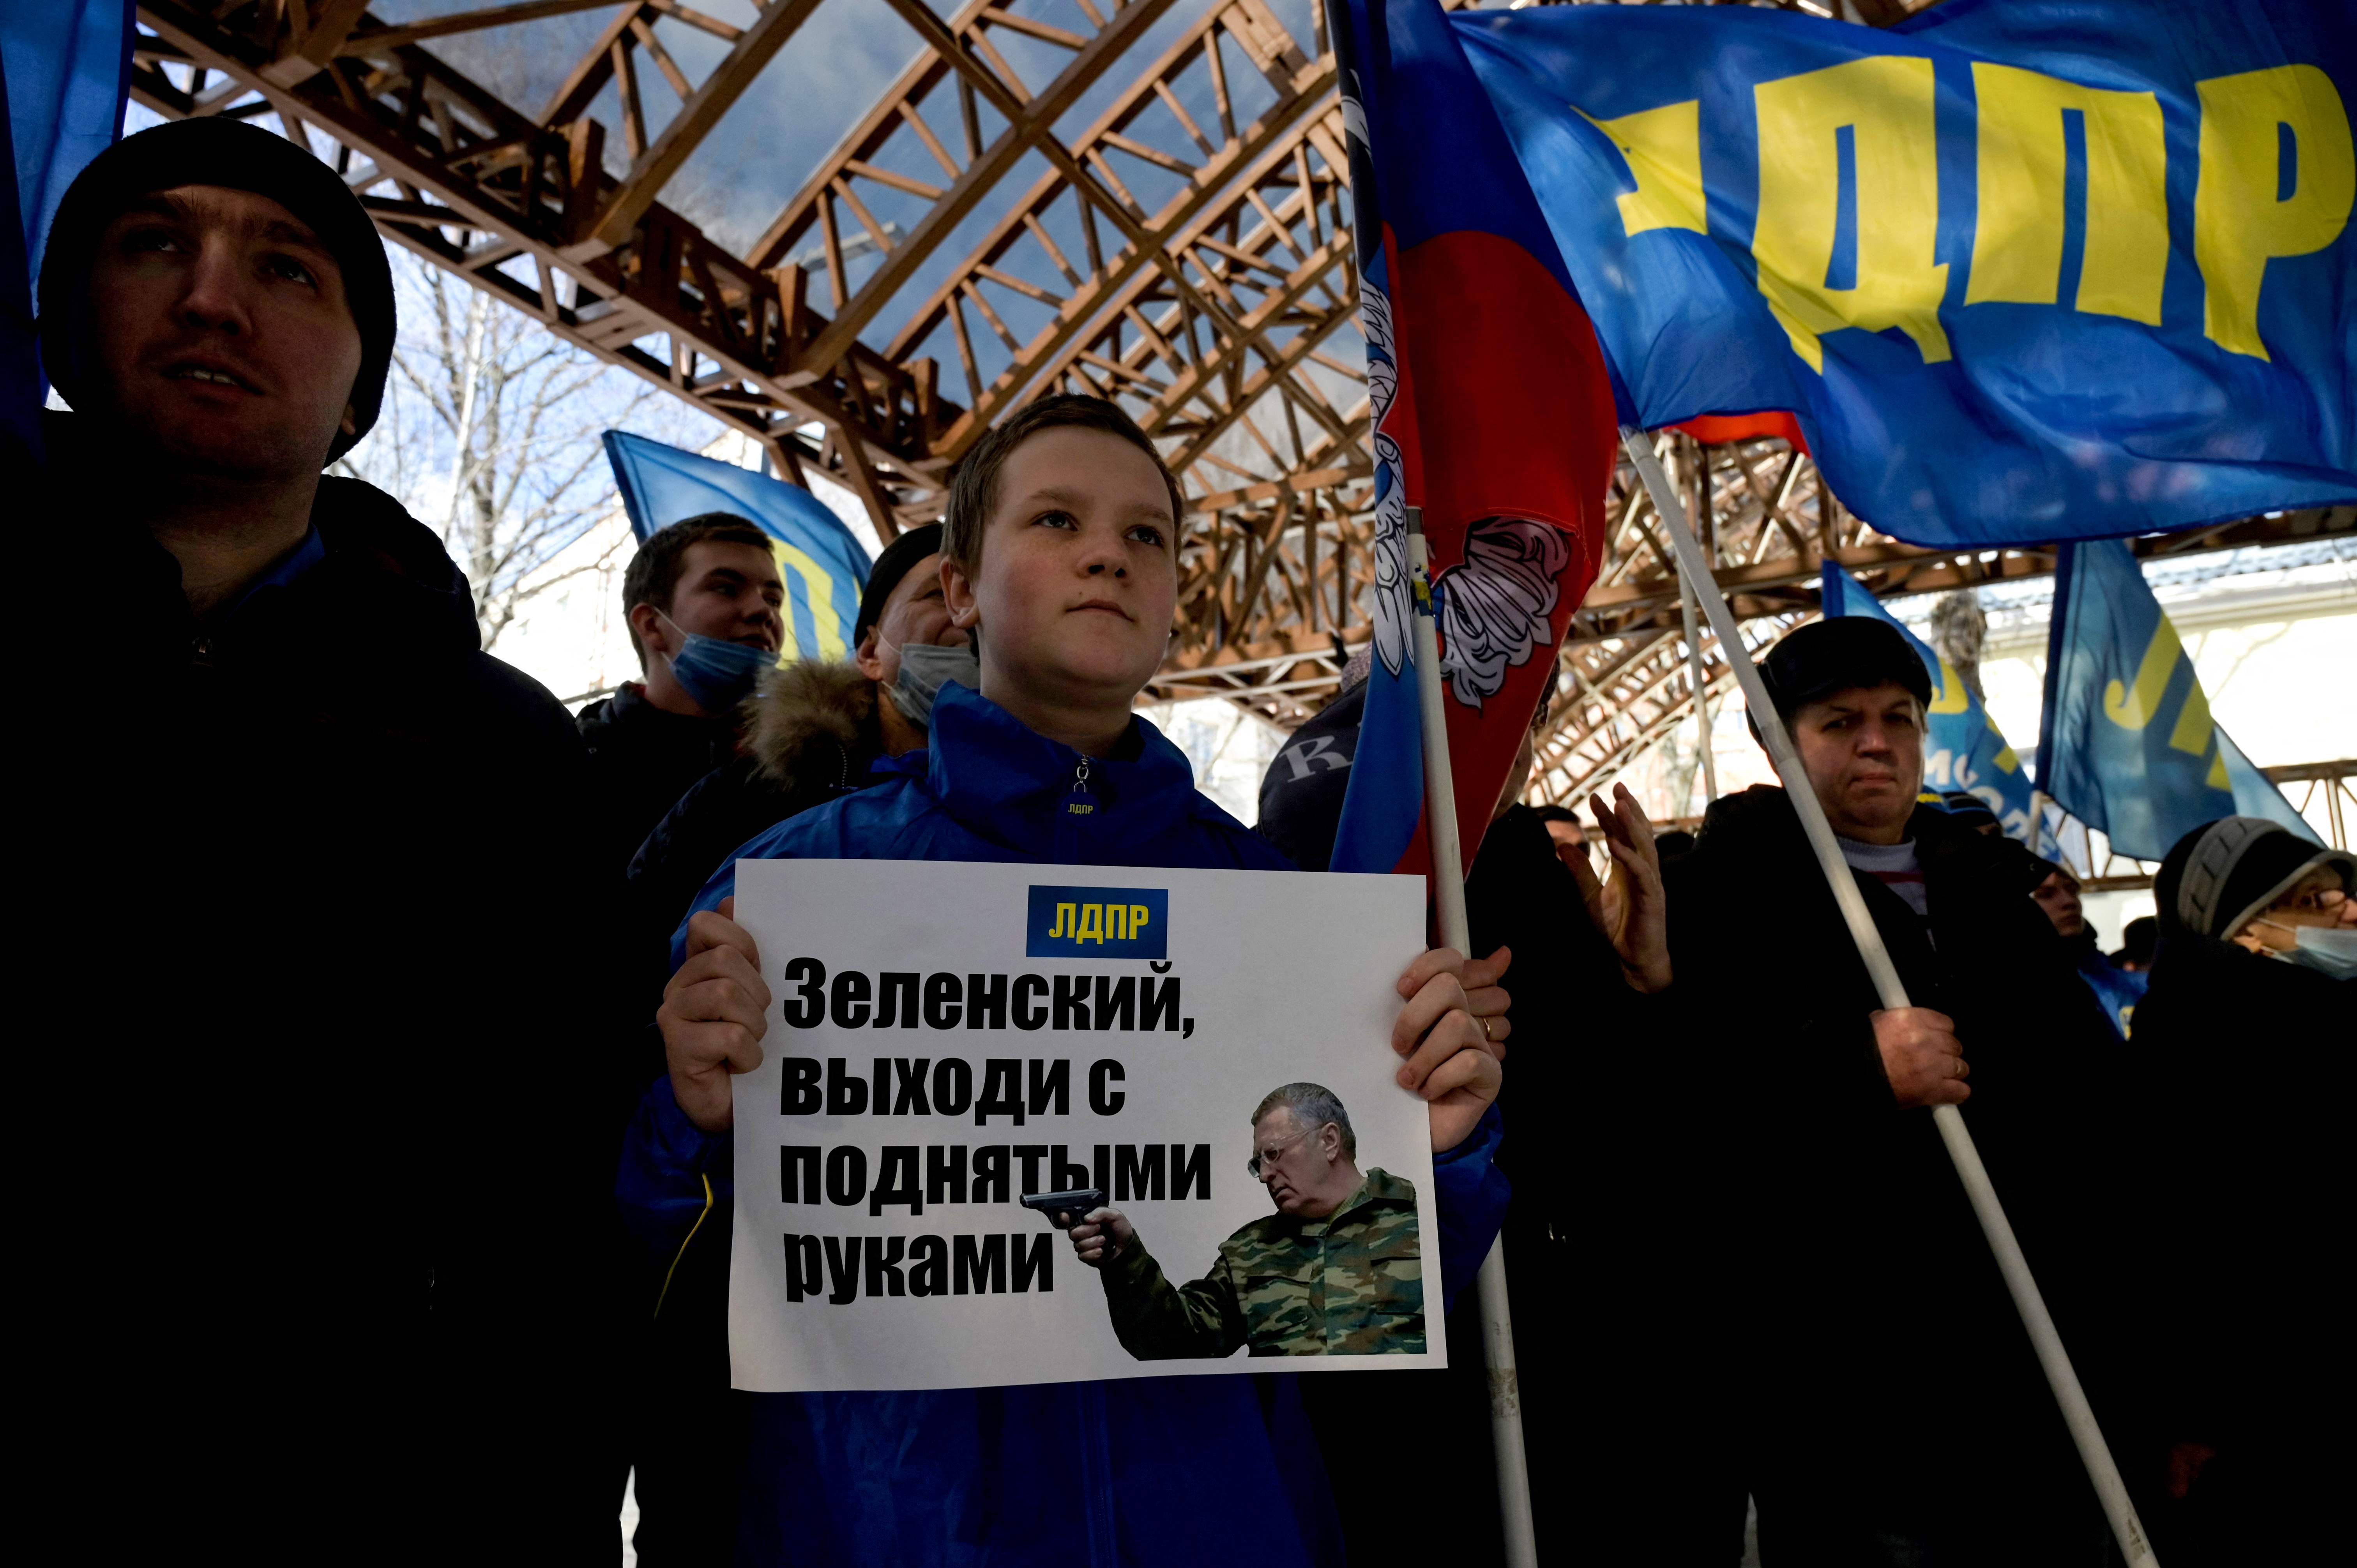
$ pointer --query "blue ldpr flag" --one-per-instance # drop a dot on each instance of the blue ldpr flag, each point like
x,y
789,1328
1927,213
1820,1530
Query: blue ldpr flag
x,y
2130,746
823,565
2117,990
64,73
2030,270
1963,748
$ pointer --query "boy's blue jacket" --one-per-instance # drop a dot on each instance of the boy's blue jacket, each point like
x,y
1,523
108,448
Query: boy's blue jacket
x,y
1146,1472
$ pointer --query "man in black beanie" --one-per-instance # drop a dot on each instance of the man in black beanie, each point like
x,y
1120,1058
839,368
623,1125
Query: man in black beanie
x,y
1882,1401
323,1245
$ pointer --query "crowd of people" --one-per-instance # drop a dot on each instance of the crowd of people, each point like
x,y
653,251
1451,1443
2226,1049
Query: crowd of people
x,y
404,1236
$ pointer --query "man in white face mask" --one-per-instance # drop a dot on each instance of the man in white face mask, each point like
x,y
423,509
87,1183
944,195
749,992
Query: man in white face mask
x,y
907,646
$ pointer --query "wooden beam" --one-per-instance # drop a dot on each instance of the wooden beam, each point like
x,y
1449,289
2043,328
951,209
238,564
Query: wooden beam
x,y
1028,126
379,40
863,482
702,110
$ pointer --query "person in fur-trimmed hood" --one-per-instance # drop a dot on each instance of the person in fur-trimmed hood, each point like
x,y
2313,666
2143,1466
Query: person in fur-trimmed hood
x,y
811,732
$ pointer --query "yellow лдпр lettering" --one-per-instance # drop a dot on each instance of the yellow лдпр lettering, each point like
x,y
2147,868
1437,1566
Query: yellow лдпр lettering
x,y
2239,225
2133,707
1663,150
2017,240
818,587
1886,100
1067,920
1091,924
1139,916
1953,696
2193,729
2005,758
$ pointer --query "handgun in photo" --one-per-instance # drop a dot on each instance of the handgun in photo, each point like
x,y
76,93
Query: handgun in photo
x,y
1065,1210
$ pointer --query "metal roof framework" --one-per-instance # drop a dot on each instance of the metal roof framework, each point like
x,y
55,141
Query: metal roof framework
x,y
1145,201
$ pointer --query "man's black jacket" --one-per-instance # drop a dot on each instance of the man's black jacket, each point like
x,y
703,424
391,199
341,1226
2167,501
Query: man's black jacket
x,y
642,758
809,736
1860,1282
318,1135
1607,1277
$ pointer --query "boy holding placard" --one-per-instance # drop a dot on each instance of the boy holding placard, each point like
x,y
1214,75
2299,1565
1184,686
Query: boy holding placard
x,y
1060,558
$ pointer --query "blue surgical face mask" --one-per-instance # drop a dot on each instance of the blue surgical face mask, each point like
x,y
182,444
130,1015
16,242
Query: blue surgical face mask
x,y
718,675
924,670
2329,949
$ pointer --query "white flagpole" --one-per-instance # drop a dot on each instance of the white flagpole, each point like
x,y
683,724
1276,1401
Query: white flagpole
x,y
1448,898
2051,1357
1695,678
1693,663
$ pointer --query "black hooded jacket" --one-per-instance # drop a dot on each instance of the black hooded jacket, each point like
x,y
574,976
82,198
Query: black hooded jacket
x,y
642,758
1859,1269
2253,1185
319,1145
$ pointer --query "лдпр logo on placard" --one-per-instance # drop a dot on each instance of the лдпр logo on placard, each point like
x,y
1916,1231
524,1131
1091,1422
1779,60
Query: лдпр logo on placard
x,y
1098,922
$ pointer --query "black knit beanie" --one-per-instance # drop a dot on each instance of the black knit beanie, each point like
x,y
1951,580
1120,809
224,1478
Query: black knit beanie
x,y
890,567
2221,874
238,156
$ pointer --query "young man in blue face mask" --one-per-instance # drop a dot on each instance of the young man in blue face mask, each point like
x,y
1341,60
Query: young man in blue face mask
x,y
704,598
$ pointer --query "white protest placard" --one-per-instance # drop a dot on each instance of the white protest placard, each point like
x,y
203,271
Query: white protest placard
x,y
947,1038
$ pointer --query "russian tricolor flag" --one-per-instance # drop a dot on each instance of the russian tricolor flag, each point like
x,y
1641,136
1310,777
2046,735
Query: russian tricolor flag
x,y
1493,411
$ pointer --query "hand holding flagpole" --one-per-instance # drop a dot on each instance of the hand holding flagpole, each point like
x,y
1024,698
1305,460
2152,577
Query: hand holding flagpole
x,y
2051,1357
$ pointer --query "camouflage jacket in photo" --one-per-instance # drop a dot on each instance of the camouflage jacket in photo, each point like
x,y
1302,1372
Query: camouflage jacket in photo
x,y
1348,1285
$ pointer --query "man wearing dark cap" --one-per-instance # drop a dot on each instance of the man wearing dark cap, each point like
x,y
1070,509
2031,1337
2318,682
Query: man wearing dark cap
x,y
284,1263
2116,989
1971,811
1883,1404
2138,940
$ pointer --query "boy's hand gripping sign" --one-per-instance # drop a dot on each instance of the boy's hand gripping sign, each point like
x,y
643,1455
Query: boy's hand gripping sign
x,y
1029,1124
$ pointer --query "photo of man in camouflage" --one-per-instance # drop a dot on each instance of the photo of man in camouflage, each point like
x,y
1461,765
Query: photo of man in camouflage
x,y
1337,1271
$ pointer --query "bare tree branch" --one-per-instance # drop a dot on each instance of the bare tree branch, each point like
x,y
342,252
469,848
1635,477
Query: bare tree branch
x,y
489,431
